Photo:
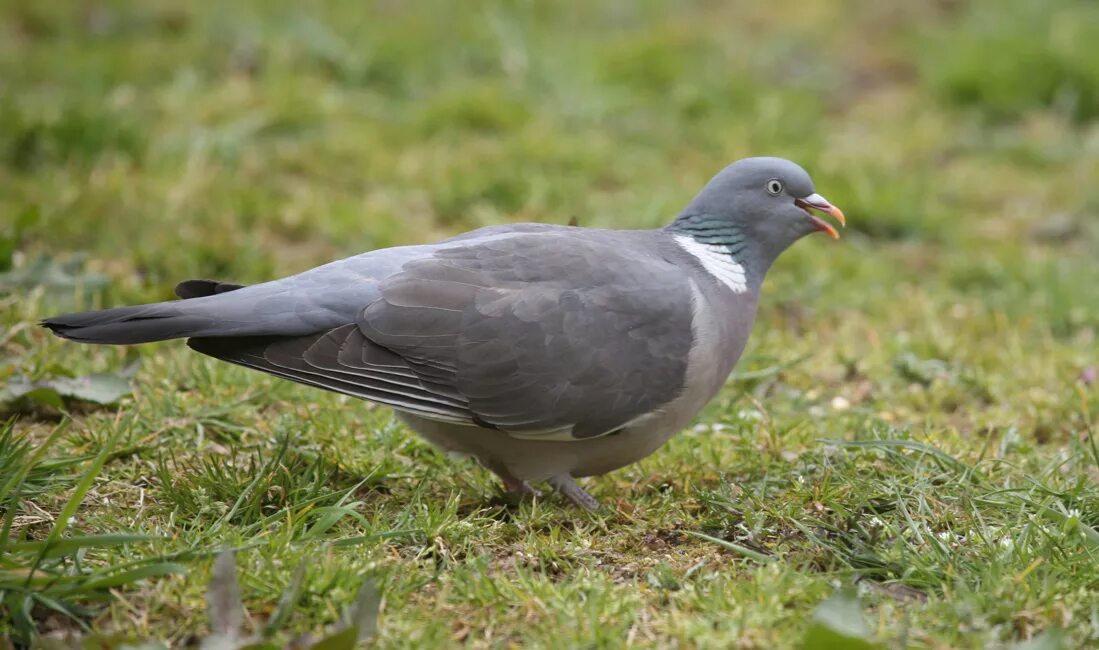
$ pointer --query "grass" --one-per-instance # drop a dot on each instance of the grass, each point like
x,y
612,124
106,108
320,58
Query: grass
x,y
914,417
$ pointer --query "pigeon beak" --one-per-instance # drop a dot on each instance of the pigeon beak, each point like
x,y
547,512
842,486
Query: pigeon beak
x,y
818,202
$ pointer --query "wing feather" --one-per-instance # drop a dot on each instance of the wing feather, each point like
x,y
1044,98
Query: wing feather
x,y
285,357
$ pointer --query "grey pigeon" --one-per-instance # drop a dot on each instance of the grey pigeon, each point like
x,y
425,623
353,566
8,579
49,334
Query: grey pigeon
x,y
545,352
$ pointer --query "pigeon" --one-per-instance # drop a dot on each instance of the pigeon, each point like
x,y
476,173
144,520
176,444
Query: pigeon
x,y
545,352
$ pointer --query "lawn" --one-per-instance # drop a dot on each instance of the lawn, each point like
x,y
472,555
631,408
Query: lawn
x,y
909,434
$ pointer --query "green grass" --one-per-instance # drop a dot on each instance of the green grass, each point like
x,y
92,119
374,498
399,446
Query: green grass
x,y
913,418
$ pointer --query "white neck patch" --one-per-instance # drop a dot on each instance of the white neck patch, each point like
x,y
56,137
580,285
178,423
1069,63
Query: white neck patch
x,y
715,258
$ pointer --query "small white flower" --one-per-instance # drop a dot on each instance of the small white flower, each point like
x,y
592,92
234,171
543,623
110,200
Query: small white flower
x,y
749,414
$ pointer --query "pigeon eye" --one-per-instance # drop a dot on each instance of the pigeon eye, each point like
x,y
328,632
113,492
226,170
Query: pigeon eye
x,y
774,187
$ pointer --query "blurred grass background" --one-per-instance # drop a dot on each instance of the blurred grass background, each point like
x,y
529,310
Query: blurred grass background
x,y
142,143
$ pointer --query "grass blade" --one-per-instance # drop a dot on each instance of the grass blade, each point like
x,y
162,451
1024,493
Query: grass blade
x,y
133,575
287,602
75,499
14,483
736,548
71,544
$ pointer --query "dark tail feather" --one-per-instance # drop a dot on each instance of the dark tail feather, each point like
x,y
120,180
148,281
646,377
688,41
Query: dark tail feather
x,y
200,288
141,323
126,325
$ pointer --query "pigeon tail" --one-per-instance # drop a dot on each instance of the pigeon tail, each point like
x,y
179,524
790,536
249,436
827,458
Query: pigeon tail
x,y
141,323
128,325
208,309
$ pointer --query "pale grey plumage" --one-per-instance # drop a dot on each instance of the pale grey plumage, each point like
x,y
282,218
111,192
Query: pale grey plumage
x,y
547,352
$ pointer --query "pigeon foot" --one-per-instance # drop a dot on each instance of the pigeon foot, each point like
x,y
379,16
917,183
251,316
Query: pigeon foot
x,y
567,487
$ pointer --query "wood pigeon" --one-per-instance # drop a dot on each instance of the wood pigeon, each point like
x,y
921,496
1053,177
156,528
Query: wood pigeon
x,y
545,352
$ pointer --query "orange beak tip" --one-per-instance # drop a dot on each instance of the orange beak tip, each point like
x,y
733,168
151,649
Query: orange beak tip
x,y
824,227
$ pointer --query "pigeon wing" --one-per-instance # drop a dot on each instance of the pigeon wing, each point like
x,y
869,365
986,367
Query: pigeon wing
x,y
541,335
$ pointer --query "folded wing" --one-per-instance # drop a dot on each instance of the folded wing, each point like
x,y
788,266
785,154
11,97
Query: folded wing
x,y
541,335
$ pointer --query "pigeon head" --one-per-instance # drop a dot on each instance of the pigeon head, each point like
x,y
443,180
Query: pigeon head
x,y
757,207
770,200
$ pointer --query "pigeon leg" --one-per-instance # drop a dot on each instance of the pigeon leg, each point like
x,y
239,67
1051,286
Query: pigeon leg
x,y
518,487
513,485
567,487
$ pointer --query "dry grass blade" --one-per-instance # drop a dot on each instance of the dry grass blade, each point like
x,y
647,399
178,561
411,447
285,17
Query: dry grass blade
x,y
224,607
